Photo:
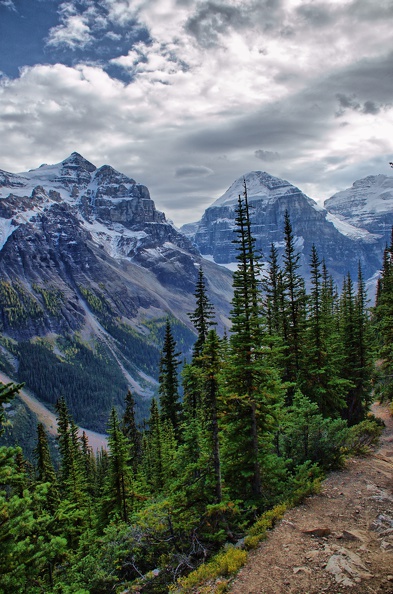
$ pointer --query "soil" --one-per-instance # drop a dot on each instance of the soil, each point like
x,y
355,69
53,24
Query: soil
x,y
338,541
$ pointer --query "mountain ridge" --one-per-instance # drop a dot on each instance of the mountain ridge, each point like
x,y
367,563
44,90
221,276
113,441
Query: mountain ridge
x,y
89,272
339,240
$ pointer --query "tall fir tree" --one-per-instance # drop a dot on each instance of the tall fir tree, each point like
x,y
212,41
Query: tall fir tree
x,y
383,325
44,468
203,315
118,498
170,406
294,307
249,376
131,431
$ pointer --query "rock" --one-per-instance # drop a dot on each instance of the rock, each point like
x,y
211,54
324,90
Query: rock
x,y
386,545
299,569
347,568
318,532
382,523
351,535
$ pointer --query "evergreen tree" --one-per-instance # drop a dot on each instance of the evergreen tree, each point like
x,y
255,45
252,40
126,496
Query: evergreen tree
x,y
152,451
131,431
294,307
273,290
249,375
320,379
383,324
44,467
170,407
118,488
211,362
203,315
354,338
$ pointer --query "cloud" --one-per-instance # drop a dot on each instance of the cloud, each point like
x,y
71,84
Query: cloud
x,y
213,89
8,4
192,171
268,156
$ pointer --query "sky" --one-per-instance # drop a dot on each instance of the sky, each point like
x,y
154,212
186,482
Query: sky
x,y
185,96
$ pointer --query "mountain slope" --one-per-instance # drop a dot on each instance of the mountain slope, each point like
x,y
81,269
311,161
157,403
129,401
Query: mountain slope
x,y
89,271
367,205
340,243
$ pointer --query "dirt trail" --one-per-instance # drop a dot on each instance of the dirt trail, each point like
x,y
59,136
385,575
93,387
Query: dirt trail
x,y
354,552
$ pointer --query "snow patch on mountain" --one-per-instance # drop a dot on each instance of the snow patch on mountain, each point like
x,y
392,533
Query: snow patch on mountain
x,y
350,230
7,227
366,200
261,186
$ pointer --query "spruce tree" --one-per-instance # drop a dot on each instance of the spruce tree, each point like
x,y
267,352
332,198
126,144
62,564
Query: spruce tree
x,y
132,433
44,467
294,307
249,376
354,337
118,496
170,406
203,315
383,325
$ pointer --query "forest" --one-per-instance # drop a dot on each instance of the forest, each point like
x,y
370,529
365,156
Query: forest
x,y
247,429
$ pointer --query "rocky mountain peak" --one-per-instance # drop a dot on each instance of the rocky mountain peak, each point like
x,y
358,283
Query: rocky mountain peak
x,y
76,161
341,244
366,205
260,186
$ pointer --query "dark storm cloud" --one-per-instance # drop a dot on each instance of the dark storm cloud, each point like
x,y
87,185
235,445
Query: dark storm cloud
x,y
320,15
371,107
212,19
268,156
192,171
305,117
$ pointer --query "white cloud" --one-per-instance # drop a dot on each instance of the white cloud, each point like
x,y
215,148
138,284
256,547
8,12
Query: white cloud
x,y
8,4
223,86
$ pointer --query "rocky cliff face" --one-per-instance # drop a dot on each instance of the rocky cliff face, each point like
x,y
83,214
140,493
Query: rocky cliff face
x,y
85,256
341,244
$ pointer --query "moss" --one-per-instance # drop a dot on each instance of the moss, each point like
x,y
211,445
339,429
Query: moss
x,y
207,577
265,522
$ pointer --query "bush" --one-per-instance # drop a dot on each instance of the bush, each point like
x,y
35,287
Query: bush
x,y
362,436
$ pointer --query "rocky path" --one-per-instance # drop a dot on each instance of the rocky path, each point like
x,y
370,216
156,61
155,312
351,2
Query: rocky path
x,y
338,541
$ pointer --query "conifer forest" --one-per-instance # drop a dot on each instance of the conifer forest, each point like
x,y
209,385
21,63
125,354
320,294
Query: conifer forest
x,y
247,426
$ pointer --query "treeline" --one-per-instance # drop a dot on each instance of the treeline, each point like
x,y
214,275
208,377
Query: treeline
x,y
263,413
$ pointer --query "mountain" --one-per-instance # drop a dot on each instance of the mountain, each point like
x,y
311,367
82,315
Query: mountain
x,y
366,206
89,272
341,242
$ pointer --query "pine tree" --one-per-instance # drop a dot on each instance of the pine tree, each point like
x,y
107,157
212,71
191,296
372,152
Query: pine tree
x,y
273,290
211,365
383,324
152,451
294,307
203,315
354,337
320,379
170,407
249,376
44,467
131,431
118,488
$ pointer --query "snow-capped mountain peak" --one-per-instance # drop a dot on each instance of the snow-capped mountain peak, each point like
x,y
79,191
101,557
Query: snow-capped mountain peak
x,y
368,204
